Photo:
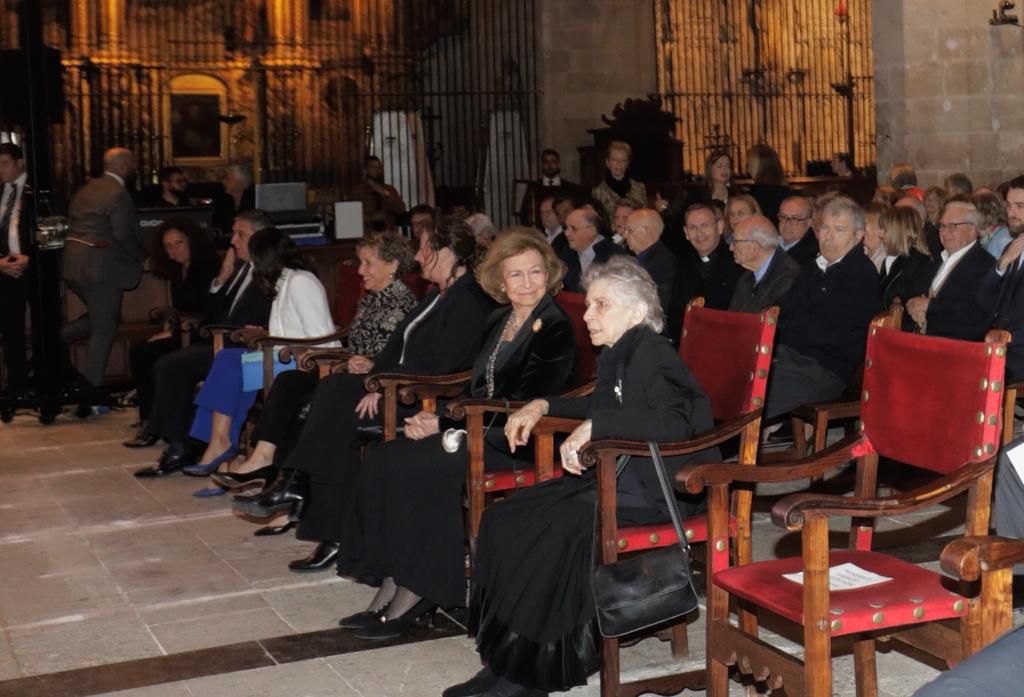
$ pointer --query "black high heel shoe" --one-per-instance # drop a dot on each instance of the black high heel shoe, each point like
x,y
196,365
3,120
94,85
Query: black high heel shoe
x,y
236,480
289,492
391,629
363,619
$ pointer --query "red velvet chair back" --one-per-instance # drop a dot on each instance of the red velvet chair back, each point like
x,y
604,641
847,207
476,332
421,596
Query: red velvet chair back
x,y
574,305
348,291
931,402
730,354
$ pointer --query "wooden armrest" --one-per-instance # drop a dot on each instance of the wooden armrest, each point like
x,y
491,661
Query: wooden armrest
x,y
248,336
410,394
791,511
967,557
311,360
695,478
189,323
555,424
835,410
211,329
261,342
376,381
591,454
461,408
164,314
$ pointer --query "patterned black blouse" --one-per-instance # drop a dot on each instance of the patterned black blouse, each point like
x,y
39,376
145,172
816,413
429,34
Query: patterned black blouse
x,y
378,314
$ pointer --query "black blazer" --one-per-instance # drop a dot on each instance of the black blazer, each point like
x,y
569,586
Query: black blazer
x,y
907,277
955,312
645,392
603,250
825,315
776,282
447,340
1002,298
667,274
192,293
806,250
538,361
25,219
560,243
715,279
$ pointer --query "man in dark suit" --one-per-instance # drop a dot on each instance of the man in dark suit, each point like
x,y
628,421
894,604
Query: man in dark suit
x,y
550,225
642,234
237,301
1002,290
103,257
709,269
15,248
550,182
770,272
824,318
797,238
587,234
948,306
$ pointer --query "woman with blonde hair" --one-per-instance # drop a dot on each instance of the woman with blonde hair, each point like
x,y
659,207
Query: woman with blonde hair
x,y
769,187
907,258
617,186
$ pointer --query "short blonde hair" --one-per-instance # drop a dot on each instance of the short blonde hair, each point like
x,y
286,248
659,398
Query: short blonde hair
x,y
510,243
619,145
902,228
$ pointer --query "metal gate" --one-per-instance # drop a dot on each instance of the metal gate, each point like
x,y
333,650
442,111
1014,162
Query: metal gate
x,y
796,74
295,87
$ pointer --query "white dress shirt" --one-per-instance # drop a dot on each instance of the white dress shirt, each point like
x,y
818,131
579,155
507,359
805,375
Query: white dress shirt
x,y
949,262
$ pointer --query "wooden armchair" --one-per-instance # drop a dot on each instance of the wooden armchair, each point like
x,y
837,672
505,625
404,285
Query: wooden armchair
x,y
730,354
927,402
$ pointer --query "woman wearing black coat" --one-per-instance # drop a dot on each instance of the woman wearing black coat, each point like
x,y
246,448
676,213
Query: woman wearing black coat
x,y
441,335
531,605
406,527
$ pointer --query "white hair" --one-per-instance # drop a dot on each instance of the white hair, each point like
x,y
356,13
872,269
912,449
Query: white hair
x,y
632,281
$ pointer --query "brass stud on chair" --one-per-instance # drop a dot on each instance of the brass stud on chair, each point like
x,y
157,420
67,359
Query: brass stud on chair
x,y
989,449
489,484
996,385
750,376
689,533
980,416
762,373
958,606
984,383
623,543
520,479
868,363
865,396
757,401
766,349
684,332
1001,351
720,546
988,350
878,618
993,420
654,538
771,320
979,451
918,613
837,625
874,330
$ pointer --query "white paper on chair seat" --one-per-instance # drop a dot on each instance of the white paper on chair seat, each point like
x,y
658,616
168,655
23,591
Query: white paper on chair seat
x,y
1016,457
845,577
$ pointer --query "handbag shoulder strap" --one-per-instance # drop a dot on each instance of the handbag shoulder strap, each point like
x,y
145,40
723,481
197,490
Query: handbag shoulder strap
x,y
669,493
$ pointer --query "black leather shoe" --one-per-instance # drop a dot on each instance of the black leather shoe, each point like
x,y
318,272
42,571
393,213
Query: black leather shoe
x,y
271,530
142,439
236,480
287,493
319,560
475,686
363,619
173,459
384,628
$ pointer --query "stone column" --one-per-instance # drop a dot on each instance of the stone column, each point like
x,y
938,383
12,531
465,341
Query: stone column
x,y
288,21
592,55
949,90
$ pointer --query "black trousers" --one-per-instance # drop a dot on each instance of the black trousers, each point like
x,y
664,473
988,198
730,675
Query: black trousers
x,y
142,358
13,301
279,421
175,377
329,452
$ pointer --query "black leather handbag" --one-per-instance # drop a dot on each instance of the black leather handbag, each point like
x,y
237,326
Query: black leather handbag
x,y
650,588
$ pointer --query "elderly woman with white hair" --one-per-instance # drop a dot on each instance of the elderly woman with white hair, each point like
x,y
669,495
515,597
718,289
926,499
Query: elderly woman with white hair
x,y
531,606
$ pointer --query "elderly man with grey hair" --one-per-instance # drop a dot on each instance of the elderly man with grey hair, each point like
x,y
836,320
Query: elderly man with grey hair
x,y
642,234
770,272
824,318
945,303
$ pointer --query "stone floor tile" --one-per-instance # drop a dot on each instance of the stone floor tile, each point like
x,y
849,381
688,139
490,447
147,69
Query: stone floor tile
x,y
218,630
9,668
415,669
96,483
307,678
31,518
59,554
109,510
168,690
198,608
320,604
112,638
269,569
30,600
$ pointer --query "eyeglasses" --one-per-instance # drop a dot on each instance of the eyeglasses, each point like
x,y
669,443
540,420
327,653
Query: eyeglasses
x,y
790,219
634,228
951,227
736,240
703,227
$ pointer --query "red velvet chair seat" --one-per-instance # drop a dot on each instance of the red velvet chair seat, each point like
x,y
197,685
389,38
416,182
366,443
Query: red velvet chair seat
x,y
914,595
651,536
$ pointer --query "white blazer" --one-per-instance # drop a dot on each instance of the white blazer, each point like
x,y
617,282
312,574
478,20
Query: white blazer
x,y
300,310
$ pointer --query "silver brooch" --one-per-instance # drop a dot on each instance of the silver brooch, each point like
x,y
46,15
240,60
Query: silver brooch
x,y
618,390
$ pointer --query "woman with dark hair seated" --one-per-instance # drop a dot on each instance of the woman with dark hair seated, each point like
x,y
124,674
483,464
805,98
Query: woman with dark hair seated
x,y
181,252
405,530
299,311
531,606
442,335
383,259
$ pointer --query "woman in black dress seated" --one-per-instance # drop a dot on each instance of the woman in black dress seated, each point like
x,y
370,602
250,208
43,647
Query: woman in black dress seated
x,y
441,335
405,531
183,253
383,259
531,604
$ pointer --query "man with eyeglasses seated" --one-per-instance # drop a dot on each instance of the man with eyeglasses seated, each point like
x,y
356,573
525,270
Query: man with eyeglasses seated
x,y
642,234
770,272
798,240
946,302
588,236
824,318
709,269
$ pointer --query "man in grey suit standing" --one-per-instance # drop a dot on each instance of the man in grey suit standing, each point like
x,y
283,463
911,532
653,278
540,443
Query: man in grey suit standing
x,y
103,257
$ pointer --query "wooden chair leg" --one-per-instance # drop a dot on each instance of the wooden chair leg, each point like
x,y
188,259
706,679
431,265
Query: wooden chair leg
x,y
680,641
610,668
799,437
864,666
